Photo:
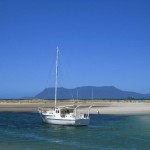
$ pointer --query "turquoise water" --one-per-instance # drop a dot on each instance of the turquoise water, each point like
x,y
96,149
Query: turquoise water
x,y
25,131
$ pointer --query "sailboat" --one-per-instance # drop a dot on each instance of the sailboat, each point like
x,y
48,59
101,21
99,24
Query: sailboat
x,y
64,115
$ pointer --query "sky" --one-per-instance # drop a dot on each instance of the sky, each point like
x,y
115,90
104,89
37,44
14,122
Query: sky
x,y
101,43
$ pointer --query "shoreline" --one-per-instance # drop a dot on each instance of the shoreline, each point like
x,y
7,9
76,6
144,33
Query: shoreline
x,y
100,106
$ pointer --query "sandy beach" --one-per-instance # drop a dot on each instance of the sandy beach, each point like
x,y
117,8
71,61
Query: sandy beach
x,y
100,106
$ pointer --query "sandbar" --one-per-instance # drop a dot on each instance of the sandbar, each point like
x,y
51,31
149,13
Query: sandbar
x,y
99,106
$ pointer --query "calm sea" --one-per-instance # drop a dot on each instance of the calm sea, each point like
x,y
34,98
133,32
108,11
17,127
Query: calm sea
x,y
25,131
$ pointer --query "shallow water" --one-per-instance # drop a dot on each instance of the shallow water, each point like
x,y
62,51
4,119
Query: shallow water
x,y
25,131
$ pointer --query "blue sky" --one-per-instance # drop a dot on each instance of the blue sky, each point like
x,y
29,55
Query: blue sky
x,y
101,43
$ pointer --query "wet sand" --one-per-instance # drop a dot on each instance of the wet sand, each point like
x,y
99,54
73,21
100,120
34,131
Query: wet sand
x,y
100,106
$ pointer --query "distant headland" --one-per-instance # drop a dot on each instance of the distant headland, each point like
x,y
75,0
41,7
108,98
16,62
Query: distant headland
x,y
90,92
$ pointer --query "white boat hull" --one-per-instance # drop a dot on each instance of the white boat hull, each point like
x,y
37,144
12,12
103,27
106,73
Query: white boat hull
x,y
63,121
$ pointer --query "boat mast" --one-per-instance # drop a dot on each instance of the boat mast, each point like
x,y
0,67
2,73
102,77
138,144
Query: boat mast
x,y
56,82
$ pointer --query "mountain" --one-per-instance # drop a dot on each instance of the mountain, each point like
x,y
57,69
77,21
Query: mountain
x,y
85,92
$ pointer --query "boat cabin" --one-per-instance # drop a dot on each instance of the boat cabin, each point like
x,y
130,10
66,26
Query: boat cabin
x,y
69,112
64,112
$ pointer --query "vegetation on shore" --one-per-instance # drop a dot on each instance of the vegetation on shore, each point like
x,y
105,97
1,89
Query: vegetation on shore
x,y
70,101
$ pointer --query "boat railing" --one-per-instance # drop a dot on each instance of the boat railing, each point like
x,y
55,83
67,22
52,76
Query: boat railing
x,y
43,110
40,109
82,115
